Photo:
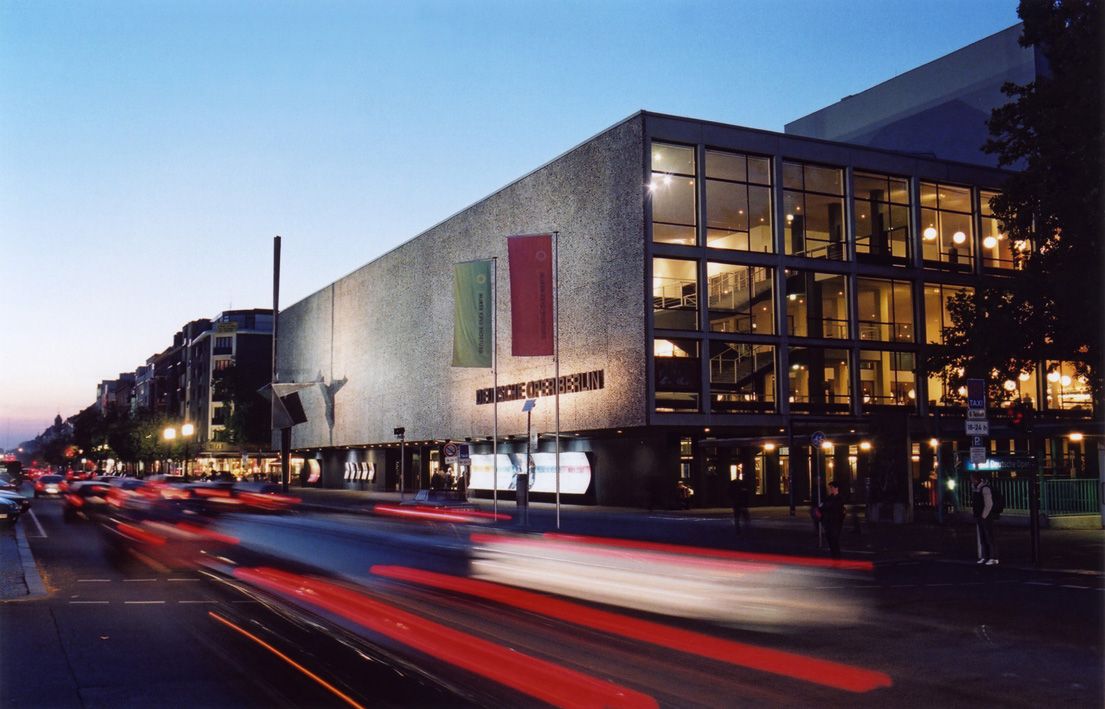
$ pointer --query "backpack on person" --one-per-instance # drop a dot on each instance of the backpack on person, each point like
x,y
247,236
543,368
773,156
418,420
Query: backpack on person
x,y
997,501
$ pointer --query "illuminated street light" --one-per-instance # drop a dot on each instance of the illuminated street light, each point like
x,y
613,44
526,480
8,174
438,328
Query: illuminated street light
x,y
865,445
169,434
186,431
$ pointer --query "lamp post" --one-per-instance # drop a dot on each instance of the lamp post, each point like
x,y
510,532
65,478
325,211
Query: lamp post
x,y
186,431
169,434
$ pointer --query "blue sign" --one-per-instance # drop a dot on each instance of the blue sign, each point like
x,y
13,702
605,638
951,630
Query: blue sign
x,y
817,438
976,394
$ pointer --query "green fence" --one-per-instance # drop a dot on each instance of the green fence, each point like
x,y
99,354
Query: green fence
x,y
1058,496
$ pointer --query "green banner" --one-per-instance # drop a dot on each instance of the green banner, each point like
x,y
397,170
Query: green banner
x,y
472,314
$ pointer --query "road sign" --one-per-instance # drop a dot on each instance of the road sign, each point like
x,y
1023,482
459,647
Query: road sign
x,y
976,394
978,454
977,441
450,450
463,456
977,428
817,438
528,406
976,414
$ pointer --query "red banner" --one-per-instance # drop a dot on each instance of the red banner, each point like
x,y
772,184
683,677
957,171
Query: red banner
x,y
531,295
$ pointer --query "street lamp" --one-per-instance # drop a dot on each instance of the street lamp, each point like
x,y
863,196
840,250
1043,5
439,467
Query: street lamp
x,y
169,434
186,432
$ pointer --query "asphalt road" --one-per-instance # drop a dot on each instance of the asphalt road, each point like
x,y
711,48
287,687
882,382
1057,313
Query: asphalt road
x,y
122,632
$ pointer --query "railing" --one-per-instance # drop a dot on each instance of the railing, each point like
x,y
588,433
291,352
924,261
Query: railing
x,y
1058,496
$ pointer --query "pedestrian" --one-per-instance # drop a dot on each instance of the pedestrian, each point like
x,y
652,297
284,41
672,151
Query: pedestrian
x,y
832,517
686,494
738,495
437,480
983,505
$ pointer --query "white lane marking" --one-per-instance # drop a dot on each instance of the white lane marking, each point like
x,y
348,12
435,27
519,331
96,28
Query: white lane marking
x,y
143,603
933,585
93,580
1038,583
182,580
1067,585
89,603
41,531
138,580
195,601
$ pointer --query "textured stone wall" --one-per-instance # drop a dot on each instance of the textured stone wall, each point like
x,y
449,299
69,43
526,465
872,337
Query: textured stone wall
x,y
381,338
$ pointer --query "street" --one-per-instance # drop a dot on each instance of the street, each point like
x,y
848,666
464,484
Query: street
x,y
624,622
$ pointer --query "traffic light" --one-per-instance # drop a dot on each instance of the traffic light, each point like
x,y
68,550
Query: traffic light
x,y
1020,416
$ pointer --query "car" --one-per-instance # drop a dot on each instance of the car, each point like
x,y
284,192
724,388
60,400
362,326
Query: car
x,y
84,500
23,500
9,511
50,485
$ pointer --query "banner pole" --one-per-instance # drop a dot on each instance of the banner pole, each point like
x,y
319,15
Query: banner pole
x,y
556,359
495,385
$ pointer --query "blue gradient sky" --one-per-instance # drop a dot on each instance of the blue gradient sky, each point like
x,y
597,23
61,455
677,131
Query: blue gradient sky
x,y
149,151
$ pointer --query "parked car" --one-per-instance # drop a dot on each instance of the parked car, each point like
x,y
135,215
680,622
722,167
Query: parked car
x,y
85,499
23,500
50,485
9,511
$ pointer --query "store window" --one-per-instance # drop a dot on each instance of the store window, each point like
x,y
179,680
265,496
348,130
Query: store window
x,y
881,206
1022,387
742,377
817,304
813,204
677,375
1066,389
819,381
998,250
672,194
937,317
887,378
738,202
740,298
947,236
885,310
674,294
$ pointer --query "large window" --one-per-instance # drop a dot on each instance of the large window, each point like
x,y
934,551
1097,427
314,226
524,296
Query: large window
x,y
813,202
937,317
674,294
817,304
1065,388
738,202
885,309
740,298
673,194
888,378
947,237
677,375
998,251
881,206
819,380
742,377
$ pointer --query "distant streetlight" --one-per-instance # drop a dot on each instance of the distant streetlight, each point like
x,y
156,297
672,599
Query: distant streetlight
x,y
169,434
186,432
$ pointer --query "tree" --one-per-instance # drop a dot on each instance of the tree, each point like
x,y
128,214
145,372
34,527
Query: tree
x,y
1052,308
246,417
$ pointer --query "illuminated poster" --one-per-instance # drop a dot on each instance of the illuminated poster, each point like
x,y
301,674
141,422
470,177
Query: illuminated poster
x,y
575,472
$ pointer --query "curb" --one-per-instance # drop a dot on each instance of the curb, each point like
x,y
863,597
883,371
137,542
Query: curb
x,y
31,577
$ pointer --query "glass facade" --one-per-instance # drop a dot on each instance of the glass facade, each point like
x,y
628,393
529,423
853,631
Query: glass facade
x,y
738,202
887,378
677,376
998,251
947,233
937,317
820,380
881,207
674,294
813,205
1065,389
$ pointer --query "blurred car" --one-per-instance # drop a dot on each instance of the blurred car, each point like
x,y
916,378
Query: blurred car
x,y
84,500
48,485
23,500
9,511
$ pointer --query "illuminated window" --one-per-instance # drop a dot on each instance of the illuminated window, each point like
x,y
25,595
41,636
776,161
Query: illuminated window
x,y
677,375
1066,389
998,250
674,294
885,310
738,202
813,205
740,298
817,304
937,316
888,378
742,377
881,205
819,381
672,193
947,235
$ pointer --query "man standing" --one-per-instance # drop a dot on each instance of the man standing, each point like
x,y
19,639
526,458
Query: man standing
x,y
832,518
738,494
983,505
